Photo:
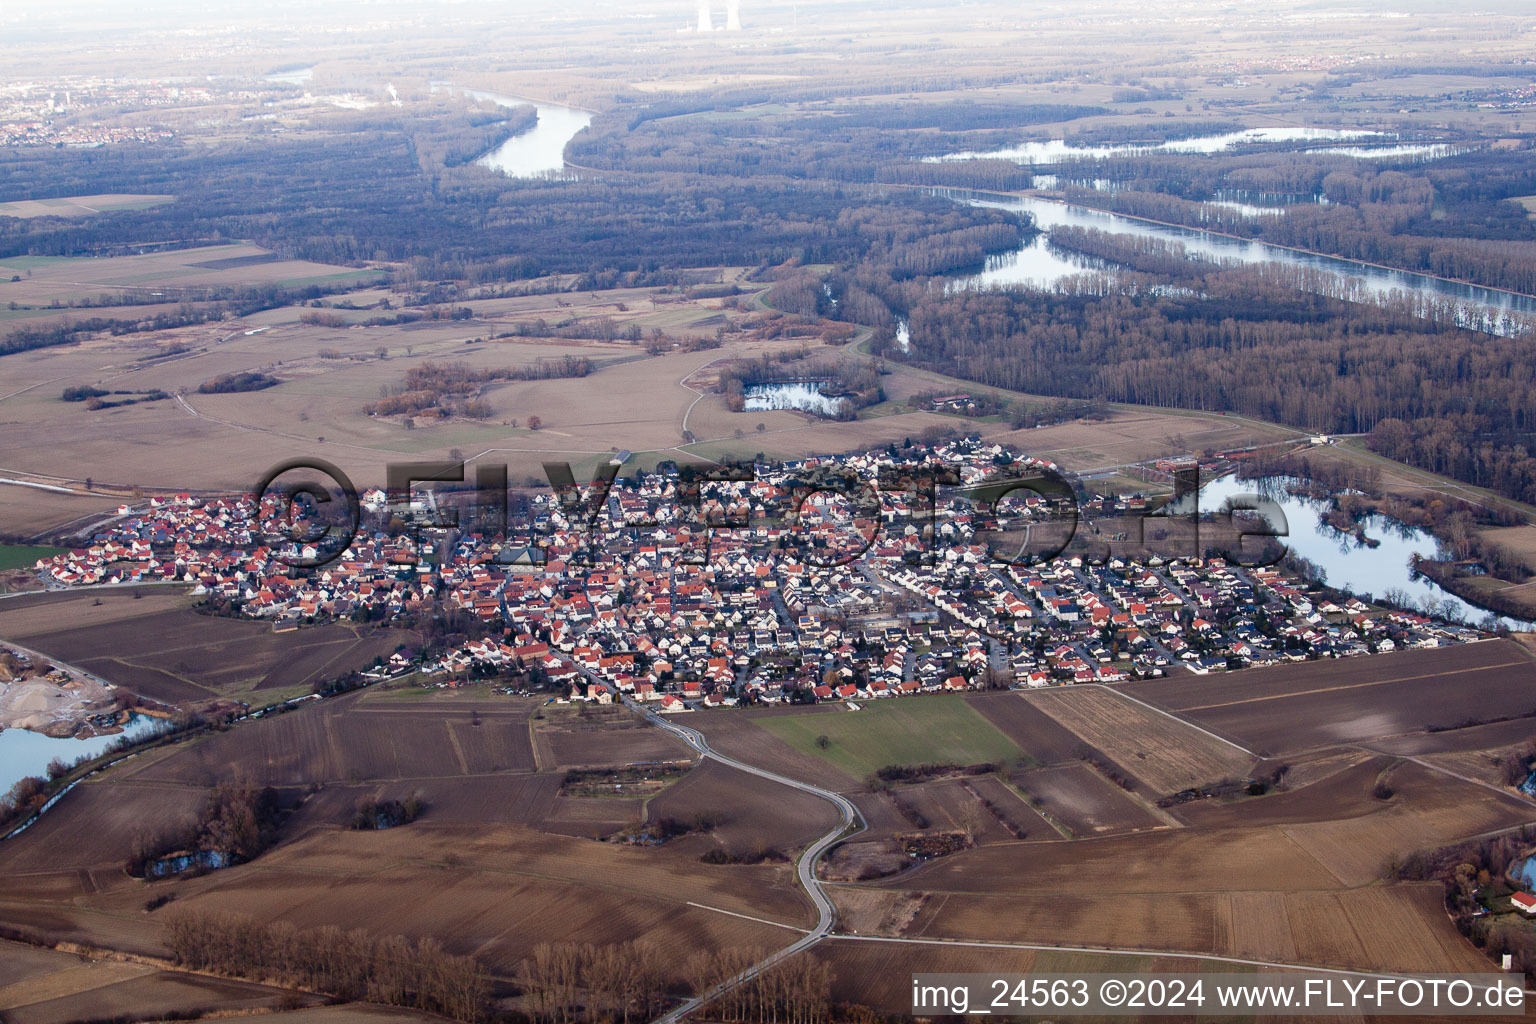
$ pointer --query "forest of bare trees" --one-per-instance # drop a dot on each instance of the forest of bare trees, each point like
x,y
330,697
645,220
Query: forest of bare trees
x,y
1249,340
568,982
454,388
236,824
876,142
1452,217
359,193
353,965
571,983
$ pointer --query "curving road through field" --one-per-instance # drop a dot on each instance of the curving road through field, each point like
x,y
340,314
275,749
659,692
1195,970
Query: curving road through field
x,y
805,868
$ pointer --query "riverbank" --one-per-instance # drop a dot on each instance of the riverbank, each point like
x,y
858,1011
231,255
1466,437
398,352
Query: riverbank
x,y
1059,198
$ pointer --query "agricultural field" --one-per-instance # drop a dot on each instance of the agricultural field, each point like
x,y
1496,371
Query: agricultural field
x,y
1163,753
1084,801
1037,733
1343,792
594,818
1485,766
343,740
30,511
159,647
1397,928
328,372
507,858
879,974
1184,922
578,736
1209,860
1297,876
96,827
1514,733
504,798
49,279
960,805
82,989
1426,809
1403,927
1294,708
753,812
80,206
1008,808
24,556
495,890
503,882
933,730
881,815
21,963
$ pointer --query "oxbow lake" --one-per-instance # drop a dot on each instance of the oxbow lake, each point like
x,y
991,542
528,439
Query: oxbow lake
x,y
1351,566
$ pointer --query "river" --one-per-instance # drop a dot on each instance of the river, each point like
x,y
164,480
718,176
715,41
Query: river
x,y
1047,152
1054,151
538,152
1041,265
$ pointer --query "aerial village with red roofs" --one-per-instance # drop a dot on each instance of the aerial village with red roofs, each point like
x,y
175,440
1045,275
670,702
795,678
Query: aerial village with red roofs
x,y
634,599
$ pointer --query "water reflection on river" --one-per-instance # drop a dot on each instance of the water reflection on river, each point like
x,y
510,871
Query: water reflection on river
x,y
1036,263
1052,151
538,152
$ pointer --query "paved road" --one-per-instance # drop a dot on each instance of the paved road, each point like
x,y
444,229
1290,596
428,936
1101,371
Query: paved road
x,y
805,869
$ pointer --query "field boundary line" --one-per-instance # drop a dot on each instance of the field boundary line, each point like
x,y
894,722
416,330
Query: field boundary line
x,y
1443,770
1354,686
1169,714
96,976
533,745
1029,801
749,917
458,748
1109,951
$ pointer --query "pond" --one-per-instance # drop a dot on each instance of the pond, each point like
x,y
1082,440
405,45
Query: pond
x,y
211,860
24,752
805,397
1525,870
292,76
1355,567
